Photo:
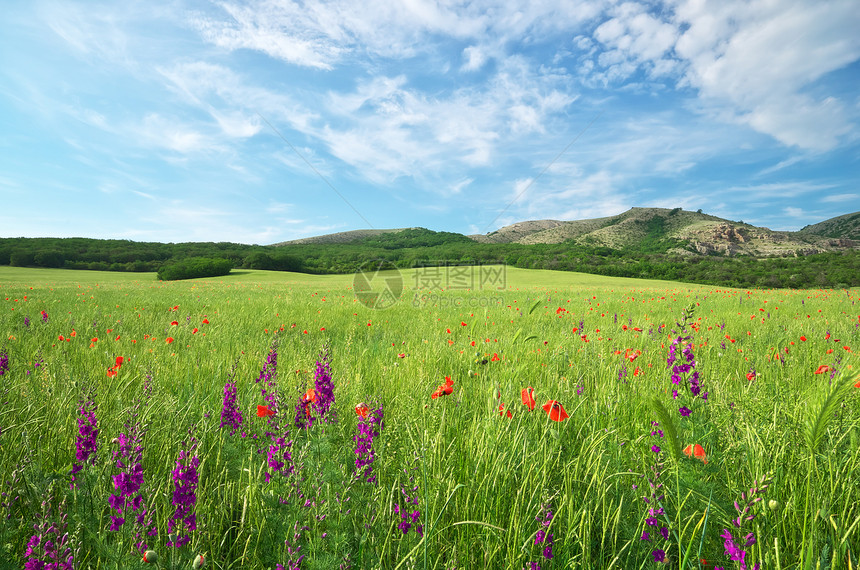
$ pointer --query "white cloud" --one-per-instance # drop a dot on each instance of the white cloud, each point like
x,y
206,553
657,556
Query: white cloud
x,y
474,57
760,57
838,198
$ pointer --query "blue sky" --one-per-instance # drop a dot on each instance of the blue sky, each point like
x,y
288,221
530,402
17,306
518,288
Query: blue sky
x,y
258,122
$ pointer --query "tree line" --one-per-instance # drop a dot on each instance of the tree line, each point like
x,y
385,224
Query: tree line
x,y
655,259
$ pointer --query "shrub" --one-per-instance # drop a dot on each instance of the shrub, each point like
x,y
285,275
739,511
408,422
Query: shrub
x,y
194,267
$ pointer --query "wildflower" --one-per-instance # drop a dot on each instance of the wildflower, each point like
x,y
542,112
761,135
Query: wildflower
x,y
822,369
733,549
323,392
184,491
231,416
4,362
528,396
696,451
264,411
303,418
369,427
444,389
544,538
362,410
408,517
86,442
49,548
150,557
555,411
168,340
502,411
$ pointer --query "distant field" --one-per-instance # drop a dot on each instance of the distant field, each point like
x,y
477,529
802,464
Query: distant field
x,y
450,482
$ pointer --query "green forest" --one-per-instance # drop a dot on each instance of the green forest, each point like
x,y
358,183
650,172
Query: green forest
x,y
422,247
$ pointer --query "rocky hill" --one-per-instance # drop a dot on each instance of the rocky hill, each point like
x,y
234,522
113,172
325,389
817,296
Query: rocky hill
x,y
681,231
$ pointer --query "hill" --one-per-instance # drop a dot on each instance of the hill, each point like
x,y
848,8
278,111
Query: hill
x,y
682,232
340,237
840,227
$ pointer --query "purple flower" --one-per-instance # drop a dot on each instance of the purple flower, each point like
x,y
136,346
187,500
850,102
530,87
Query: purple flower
x,y
324,388
4,362
128,461
184,491
49,548
303,418
231,416
86,442
659,555
408,520
685,411
369,427
543,537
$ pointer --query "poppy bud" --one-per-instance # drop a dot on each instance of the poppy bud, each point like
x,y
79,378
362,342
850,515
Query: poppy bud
x,y
150,557
199,562
773,505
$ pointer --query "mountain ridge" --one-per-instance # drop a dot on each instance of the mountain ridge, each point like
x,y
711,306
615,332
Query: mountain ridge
x,y
668,230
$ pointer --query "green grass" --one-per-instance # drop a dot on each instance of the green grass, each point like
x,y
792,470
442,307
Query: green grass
x,y
480,479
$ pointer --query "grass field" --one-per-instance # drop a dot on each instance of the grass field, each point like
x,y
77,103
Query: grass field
x,y
128,381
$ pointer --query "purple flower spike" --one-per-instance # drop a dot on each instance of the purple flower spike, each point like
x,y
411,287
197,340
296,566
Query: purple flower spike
x,y
86,443
185,480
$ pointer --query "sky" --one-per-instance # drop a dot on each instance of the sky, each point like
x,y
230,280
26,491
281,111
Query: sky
x,y
260,122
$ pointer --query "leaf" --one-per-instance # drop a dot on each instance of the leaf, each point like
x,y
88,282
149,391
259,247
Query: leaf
x,y
816,424
669,430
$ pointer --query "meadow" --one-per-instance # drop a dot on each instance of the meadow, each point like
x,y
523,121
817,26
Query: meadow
x,y
536,419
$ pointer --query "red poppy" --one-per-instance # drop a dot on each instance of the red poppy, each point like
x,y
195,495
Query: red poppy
x,y
205,321
119,360
529,398
169,339
310,395
445,389
803,338
751,376
264,411
822,369
495,357
555,411
401,355
696,451
194,330
502,410
174,323
362,410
